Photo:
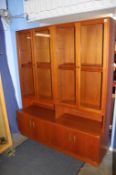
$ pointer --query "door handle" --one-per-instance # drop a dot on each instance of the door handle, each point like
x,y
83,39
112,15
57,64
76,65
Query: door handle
x,y
33,124
30,124
74,139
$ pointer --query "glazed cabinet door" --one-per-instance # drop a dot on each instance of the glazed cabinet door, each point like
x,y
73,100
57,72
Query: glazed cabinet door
x,y
66,64
24,42
90,65
42,50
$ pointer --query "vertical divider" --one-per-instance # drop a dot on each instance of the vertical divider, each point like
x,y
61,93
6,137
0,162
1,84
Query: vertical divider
x,y
108,52
34,62
19,63
105,64
78,63
54,68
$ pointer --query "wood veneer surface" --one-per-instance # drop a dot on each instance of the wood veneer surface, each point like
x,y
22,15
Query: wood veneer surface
x,y
82,124
44,113
70,121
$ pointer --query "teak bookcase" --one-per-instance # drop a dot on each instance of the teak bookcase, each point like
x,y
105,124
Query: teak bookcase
x,y
66,73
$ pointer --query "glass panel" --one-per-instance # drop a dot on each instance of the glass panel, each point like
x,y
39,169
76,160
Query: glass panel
x,y
42,41
44,83
67,86
27,79
65,45
92,44
91,89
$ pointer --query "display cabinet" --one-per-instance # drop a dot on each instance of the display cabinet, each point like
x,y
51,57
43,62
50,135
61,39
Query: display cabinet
x,y
66,83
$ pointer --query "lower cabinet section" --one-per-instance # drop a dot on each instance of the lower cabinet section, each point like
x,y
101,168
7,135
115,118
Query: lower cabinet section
x,y
35,129
79,144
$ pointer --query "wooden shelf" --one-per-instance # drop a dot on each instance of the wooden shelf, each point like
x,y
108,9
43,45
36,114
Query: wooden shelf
x,y
28,64
45,99
70,102
67,66
86,105
91,68
43,65
81,124
40,112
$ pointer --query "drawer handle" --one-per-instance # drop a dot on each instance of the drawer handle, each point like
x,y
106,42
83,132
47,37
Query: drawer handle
x,y
70,138
30,123
33,124
74,139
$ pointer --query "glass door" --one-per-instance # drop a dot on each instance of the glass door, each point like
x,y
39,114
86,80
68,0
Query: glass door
x,y
26,63
91,65
65,53
43,64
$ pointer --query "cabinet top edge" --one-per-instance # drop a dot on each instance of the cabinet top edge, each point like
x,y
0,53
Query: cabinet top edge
x,y
69,24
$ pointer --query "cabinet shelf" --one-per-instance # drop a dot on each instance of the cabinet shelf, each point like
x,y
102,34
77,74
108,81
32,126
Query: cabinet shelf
x,y
67,120
74,122
70,102
86,105
43,65
28,64
42,97
39,112
81,124
67,66
91,68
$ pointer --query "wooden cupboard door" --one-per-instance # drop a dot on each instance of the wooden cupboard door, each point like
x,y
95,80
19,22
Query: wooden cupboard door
x,y
63,139
33,127
44,132
24,125
86,146
26,63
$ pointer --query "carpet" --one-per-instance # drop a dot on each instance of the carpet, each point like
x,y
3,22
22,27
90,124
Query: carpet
x,y
32,158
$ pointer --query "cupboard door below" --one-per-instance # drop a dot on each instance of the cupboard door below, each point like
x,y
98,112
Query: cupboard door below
x,y
45,132
86,146
24,125
63,139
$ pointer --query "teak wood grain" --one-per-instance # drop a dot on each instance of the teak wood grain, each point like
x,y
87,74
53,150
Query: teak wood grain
x,y
66,81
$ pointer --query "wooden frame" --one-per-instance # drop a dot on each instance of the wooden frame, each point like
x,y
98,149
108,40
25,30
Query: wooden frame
x,y
8,143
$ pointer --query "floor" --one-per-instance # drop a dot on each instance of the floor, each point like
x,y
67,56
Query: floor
x,y
106,167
